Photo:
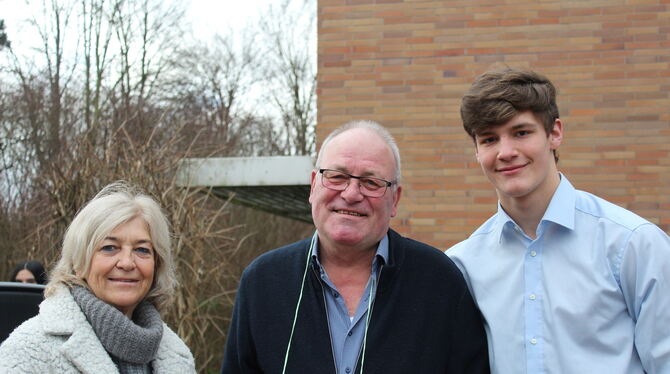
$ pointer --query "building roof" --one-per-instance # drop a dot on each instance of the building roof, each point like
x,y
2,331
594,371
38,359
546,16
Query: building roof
x,y
278,185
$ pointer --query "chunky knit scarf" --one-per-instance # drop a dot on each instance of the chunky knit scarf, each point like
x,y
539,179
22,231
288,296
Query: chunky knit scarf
x,y
135,341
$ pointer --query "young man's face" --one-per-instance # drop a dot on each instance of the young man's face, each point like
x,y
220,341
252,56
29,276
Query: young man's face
x,y
517,157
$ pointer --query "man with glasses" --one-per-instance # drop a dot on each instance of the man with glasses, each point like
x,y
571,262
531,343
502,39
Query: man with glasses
x,y
357,297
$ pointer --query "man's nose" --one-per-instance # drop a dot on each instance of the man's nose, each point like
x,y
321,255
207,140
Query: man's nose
x,y
353,190
506,148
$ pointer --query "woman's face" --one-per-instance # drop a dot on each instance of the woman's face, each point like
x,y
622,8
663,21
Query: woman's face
x,y
122,266
25,276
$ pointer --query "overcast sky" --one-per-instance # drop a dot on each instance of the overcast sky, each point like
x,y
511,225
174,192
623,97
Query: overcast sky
x,y
206,16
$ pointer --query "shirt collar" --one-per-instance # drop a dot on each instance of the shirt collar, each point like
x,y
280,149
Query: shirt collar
x,y
561,209
381,254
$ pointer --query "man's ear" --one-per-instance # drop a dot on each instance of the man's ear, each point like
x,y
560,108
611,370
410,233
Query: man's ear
x,y
312,183
556,135
396,200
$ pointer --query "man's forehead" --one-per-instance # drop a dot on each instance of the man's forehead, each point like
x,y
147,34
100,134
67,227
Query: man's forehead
x,y
505,127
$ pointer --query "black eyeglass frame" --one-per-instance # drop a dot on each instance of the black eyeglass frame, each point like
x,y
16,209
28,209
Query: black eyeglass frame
x,y
386,183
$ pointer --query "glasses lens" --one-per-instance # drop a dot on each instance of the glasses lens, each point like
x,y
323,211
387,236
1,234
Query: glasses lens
x,y
372,187
335,180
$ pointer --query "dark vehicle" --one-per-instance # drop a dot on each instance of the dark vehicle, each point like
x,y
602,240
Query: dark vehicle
x,y
18,302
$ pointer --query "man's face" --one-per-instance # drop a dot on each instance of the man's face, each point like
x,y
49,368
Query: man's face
x,y
517,157
348,218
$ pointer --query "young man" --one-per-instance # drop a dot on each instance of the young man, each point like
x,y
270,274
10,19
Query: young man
x,y
567,282
357,297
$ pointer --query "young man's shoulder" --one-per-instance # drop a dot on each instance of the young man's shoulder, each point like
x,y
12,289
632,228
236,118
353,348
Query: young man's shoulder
x,y
608,212
482,235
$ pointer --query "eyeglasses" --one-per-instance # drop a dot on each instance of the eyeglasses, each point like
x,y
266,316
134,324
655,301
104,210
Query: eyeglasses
x,y
339,181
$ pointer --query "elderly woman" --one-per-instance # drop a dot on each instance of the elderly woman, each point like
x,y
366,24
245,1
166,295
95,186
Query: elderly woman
x,y
101,310
29,272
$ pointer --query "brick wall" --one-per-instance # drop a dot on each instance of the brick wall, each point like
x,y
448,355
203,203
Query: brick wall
x,y
407,63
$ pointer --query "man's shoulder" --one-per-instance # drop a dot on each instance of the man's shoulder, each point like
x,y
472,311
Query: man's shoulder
x,y
590,204
422,255
415,247
284,257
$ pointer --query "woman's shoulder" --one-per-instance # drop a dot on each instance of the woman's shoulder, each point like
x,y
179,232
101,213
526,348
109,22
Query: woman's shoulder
x,y
173,354
27,347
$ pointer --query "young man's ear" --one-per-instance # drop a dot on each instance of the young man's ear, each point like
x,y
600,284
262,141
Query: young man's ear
x,y
556,134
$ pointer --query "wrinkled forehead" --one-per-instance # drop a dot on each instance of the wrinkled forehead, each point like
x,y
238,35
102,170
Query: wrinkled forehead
x,y
359,145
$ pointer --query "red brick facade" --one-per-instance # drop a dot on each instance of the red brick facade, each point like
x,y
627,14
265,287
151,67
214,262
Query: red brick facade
x,y
407,63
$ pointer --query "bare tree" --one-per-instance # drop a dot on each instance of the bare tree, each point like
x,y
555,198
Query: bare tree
x,y
210,86
290,34
114,91
4,42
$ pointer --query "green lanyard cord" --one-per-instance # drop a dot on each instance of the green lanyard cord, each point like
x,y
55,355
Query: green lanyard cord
x,y
297,307
373,288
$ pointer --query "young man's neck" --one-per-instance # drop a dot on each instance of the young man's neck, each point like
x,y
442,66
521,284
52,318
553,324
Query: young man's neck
x,y
528,210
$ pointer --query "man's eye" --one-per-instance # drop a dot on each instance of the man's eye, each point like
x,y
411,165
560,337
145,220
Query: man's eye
x,y
372,183
338,178
522,133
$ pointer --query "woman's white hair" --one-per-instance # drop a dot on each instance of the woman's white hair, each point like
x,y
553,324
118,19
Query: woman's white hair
x,y
376,128
114,205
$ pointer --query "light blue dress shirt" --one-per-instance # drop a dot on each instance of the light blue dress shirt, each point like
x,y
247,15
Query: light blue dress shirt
x,y
591,294
347,333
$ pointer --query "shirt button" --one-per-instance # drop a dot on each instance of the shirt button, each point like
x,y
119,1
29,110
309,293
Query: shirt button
x,y
349,333
533,253
533,341
347,370
532,296
336,295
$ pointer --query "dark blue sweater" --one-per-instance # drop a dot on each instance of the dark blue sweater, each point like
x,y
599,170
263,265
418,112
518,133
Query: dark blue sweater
x,y
423,320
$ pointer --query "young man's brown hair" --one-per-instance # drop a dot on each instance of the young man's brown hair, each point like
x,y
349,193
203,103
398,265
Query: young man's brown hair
x,y
498,95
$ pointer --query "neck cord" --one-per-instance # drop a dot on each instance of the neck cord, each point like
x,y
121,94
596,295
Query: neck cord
x,y
373,292
297,307
373,289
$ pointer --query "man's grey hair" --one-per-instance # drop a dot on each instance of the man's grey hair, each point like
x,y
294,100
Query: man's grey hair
x,y
376,128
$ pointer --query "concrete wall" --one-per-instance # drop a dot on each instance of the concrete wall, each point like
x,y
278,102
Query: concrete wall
x,y
407,63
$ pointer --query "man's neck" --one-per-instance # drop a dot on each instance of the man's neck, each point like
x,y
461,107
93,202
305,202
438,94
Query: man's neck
x,y
346,257
349,269
527,211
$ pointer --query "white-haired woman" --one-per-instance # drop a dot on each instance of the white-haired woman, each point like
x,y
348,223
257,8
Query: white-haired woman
x,y
101,310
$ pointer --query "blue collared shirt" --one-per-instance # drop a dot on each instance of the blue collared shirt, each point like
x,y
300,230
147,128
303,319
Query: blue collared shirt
x,y
347,333
591,294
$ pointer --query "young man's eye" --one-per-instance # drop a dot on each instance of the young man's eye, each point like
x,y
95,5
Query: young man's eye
x,y
522,133
486,140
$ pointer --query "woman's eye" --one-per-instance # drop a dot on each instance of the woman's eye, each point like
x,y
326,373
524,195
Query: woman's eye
x,y
143,250
108,248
